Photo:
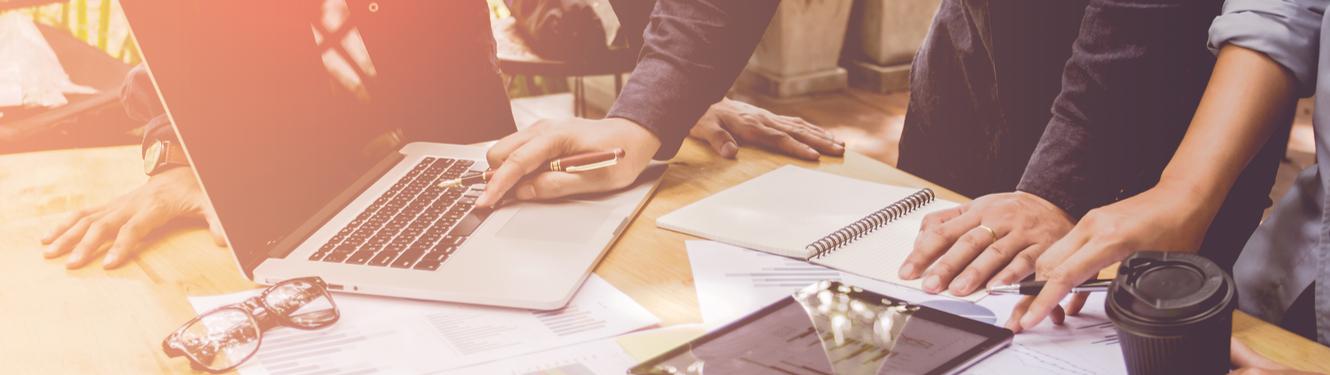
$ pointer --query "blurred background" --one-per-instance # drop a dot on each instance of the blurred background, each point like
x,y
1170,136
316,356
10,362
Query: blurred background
x,y
840,64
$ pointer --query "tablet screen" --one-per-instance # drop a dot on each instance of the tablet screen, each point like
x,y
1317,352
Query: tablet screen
x,y
821,332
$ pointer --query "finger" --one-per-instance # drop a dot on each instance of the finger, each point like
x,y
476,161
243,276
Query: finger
x,y
71,236
762,132
1243,356
557,184
966,248
1020,267
504,147
788,144
214,227
65,224
720,139
813,136
127,239
98,233
1058,316
984,265
1077,302
1081,266
520,162
1018,311
935,237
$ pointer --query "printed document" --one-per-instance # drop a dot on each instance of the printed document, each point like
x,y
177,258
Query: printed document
x,y
402,336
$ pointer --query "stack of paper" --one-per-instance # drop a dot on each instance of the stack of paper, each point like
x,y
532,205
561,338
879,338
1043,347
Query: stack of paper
x,y
400,336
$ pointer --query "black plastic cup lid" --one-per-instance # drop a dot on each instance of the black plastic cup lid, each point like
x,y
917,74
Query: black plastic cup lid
x,y
1156,289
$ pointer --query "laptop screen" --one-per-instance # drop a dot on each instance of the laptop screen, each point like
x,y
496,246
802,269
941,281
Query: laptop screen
x,y
281,105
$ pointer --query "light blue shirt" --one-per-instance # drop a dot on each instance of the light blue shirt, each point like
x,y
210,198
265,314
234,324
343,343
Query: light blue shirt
x,y
1291,248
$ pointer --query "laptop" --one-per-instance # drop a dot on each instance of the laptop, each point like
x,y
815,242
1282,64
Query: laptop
x,y
285,108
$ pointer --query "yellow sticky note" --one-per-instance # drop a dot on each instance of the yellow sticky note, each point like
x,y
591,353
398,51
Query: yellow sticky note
x,y
646,345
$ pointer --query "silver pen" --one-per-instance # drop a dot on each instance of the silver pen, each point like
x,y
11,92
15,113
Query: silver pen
x,y
1032,288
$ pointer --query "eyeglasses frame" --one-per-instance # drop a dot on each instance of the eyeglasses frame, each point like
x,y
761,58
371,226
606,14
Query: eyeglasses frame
x,y
264,321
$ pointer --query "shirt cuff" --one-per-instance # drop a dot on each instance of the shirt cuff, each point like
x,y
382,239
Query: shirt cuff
x,y
1287,32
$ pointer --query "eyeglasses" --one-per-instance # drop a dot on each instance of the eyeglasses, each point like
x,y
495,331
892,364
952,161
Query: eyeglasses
x,y
220,340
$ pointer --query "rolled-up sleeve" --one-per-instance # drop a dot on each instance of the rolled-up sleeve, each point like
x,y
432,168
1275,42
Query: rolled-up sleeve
x,y
693,51
1288,31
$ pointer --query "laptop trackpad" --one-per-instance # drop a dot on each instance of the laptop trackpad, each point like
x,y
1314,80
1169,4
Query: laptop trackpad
x,y
572,222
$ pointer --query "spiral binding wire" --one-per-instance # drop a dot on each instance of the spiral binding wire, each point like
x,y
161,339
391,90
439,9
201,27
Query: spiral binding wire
x,y
870,223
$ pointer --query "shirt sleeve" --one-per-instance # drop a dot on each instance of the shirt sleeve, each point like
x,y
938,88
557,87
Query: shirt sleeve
x,y
692,52
1288,31
1128,91
139,97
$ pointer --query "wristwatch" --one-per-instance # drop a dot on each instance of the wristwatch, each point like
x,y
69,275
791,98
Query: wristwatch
x,y
163,155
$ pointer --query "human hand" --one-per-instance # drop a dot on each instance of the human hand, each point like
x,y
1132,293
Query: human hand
x,y
1248,362
521,153
127,219
1164,218
791,135
1023,225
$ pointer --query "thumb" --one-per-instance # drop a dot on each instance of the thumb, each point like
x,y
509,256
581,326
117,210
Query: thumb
x,y
720,139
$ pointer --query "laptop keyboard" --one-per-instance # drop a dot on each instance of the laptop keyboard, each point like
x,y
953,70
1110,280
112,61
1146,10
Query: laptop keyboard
x,y
416,224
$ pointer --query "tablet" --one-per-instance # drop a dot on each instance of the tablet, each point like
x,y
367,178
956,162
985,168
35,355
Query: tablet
x,y
830,328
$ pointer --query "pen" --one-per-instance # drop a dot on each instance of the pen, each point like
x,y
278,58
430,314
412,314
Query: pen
x,y
1032,288
572,163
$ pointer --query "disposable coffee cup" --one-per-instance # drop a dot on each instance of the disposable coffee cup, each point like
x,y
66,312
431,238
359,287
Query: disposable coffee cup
x,y
1173,313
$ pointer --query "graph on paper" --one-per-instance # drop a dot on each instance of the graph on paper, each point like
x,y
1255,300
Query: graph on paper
x,y
569,320
790,274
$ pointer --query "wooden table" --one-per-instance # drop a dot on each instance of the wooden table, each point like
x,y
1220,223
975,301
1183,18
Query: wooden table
x,y
54,321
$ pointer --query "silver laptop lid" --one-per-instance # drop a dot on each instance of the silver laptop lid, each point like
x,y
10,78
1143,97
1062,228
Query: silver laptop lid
x,y
276,101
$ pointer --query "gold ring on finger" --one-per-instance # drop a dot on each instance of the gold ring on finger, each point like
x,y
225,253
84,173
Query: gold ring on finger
x,y
990,232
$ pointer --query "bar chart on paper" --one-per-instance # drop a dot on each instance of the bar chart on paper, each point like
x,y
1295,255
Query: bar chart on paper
x,y
387,335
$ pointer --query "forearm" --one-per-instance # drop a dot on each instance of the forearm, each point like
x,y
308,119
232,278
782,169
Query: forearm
x,y
1120,113
693,50
1247,95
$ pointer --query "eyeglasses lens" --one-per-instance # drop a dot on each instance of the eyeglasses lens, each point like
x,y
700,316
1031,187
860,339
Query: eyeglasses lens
x,y
307,304
221,339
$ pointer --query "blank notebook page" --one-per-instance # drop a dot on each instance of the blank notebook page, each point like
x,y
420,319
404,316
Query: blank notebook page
x,y
783,211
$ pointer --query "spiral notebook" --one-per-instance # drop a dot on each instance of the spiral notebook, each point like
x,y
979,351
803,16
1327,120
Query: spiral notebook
x,y
851,225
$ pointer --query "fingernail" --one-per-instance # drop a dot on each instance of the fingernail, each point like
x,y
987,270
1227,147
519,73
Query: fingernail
x,y
729,149
907,271
1013,325
47,236
811,151
74,258
526,192
49,250
931,283
960,285
839,142
108,261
